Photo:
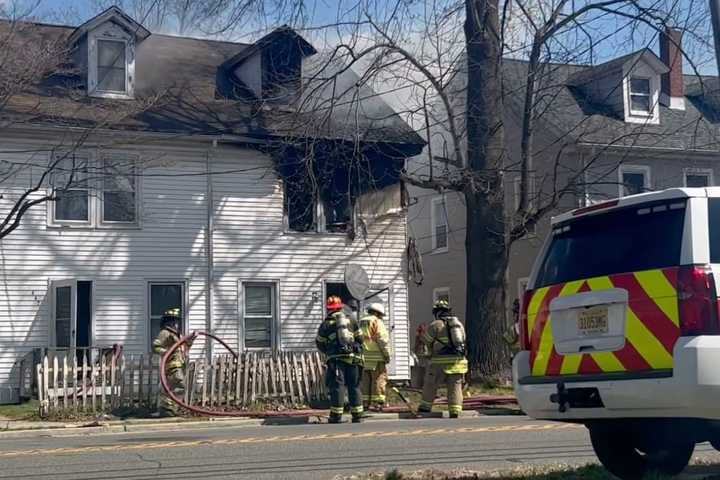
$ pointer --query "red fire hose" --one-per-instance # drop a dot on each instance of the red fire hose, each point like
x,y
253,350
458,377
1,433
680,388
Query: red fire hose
x,y
204,411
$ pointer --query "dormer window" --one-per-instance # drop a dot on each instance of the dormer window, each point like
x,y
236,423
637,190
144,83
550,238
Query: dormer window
x,y
106,46
111,66
640,96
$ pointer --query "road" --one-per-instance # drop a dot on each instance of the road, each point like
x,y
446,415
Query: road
x,y
300,451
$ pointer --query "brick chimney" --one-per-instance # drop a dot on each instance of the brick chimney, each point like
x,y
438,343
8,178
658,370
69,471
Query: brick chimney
x,y
672,88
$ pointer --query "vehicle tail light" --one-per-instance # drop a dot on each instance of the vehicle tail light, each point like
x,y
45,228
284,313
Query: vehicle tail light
x,y
697,301
524,334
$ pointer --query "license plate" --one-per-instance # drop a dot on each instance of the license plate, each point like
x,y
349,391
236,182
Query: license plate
x,y
593,321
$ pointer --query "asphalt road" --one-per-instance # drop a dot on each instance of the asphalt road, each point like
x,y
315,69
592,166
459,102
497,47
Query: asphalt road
x,y
300,451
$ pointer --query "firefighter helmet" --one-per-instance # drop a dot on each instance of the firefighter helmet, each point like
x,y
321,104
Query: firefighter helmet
x,y
441,306
334,303
378,308
171,315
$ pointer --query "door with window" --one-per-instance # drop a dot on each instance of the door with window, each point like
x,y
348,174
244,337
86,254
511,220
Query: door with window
x,y
71,315
163,296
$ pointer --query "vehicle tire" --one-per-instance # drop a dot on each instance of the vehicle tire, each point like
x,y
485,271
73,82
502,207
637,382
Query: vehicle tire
x,y
671,459
620,456
715,444
617,453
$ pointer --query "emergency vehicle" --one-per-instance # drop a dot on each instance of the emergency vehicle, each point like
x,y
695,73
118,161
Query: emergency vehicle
x,y
620,332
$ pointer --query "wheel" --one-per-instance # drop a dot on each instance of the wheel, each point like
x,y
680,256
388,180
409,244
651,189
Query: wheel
x,y
618,452
715,444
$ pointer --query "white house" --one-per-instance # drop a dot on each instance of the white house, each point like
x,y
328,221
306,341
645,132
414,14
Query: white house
x,y
189,188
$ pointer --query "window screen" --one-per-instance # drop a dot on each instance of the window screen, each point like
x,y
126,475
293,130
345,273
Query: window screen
x,y
111,66
628,240
119,189
259,315
640,94
70,180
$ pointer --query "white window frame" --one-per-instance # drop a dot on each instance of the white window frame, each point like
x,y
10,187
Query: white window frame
x,y
100,195
441,199
627,168
95,220
275,329
640,116
437,292
708,172
148,306
111,32
52,219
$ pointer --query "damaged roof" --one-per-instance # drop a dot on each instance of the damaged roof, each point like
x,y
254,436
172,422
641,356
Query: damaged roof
x,y
179,89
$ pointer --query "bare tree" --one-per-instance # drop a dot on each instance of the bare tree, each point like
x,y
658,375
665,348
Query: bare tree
x,y
445,62
40,86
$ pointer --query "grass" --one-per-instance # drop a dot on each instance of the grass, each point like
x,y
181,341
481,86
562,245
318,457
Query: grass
x,y
24,411
554,472
700,468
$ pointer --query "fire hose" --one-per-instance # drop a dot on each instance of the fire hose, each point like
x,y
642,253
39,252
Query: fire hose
x,y
187,340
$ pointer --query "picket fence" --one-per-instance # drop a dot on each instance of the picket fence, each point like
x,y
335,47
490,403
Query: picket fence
x,y
82,381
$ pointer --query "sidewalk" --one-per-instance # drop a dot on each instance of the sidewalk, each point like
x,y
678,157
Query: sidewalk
x,y
24,429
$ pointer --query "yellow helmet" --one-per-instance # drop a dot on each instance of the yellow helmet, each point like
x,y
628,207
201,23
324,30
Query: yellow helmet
x,y
172,312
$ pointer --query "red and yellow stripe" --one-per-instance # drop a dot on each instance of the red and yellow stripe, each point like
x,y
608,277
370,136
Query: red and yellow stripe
x,y
652,325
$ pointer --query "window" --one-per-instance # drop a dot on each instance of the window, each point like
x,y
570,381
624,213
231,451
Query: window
x,y
714,229
111,66
697,177
439,224
119,203
642,238
70,182
640,96
161,297
259,313
633,179
306,213
442,293
96,192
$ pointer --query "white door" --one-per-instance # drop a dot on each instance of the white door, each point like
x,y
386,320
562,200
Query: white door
x,y
63,321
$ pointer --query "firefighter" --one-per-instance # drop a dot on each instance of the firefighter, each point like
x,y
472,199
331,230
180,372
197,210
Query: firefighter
x,y
175,366
340,340
445,339
376,356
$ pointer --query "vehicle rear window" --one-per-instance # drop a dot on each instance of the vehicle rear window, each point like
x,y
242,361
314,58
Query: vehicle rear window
x,y
714,226
628,240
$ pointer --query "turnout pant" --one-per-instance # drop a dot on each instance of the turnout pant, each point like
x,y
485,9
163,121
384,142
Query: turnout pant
x,y
435,376
374,384
176,382
342,377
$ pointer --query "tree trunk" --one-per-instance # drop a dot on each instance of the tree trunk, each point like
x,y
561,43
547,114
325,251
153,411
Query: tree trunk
x,y
485,240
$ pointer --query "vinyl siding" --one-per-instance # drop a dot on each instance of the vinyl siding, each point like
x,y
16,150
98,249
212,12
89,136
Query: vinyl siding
x,y
170,245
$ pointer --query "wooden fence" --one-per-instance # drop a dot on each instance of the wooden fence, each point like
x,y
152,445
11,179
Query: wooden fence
x,y
83,382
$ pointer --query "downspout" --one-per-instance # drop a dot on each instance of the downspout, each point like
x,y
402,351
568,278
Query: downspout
x,y
210,228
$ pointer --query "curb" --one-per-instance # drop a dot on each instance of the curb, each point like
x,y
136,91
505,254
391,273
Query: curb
x,y
153,425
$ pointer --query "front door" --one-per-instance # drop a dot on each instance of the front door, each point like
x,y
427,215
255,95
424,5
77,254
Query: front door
x,y
63,323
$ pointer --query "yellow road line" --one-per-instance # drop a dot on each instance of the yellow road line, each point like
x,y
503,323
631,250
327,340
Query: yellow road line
x,y
280,439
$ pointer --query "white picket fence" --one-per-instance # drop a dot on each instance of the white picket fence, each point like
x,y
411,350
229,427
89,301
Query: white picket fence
x,y
87,381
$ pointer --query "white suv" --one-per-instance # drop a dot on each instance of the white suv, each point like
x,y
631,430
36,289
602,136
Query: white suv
x,y
620,331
